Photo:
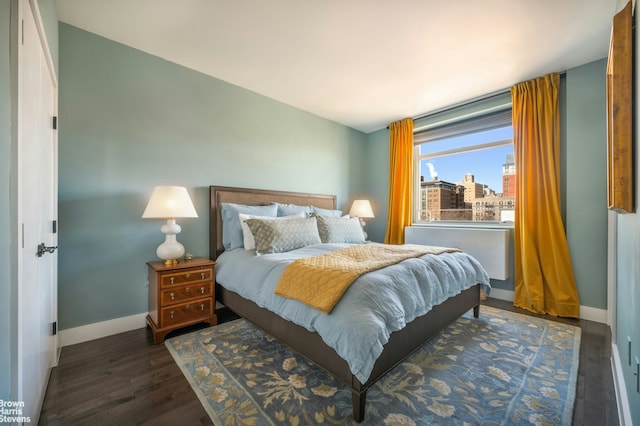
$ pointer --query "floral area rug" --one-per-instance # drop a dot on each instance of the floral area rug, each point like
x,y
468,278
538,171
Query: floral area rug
x,y
502,368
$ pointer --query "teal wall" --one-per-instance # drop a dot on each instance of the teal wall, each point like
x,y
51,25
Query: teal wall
x,y
130,121
377,160
5,200
628,275
583,181
586,180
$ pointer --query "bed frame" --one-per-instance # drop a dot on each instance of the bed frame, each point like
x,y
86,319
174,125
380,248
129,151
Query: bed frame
x,y
309,344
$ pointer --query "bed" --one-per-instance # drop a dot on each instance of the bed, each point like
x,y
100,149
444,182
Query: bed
x,y
310,344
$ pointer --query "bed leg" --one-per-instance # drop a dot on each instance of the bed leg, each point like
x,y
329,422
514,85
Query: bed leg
x,y
359,400
476,311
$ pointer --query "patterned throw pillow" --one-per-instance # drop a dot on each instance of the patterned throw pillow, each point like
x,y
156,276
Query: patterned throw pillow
x,y
340,230
278,236
249,241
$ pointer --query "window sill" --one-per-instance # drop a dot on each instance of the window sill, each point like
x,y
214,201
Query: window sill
x,y
473,225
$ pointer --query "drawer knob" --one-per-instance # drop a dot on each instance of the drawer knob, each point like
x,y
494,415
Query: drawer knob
x,y
172,313
201,290
188,289
187,307
173,279
187,275
202,306
202,275
173,296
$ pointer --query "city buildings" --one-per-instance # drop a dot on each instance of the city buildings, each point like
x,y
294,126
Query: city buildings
x,y
469,200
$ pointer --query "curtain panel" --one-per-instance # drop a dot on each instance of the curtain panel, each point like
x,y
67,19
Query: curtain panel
x,y
400,180
544,279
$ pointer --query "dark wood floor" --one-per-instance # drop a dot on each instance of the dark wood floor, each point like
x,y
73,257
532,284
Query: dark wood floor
x,y
125,380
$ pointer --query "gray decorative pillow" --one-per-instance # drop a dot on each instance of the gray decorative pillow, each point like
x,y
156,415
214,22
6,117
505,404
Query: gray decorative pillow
x,y
326,212
340,230
291,209
232,237
278,236
249,241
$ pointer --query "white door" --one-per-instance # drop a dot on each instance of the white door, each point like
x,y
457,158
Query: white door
x,y
37,213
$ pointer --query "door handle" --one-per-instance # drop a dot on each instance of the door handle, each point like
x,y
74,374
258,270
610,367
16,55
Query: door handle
x,y
42,249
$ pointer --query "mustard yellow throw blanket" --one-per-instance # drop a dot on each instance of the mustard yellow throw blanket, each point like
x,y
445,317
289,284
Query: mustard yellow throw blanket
x,y
320,281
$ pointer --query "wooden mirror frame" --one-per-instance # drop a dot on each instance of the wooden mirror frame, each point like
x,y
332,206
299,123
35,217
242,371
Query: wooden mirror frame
x,y
620,176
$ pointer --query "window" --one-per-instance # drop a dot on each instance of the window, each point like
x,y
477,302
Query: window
x,y
465,168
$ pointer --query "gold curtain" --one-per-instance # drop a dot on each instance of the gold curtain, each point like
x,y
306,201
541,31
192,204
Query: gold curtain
x,y
544,281
400,180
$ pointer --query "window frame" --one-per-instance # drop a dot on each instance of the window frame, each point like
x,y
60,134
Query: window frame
x,y
469,118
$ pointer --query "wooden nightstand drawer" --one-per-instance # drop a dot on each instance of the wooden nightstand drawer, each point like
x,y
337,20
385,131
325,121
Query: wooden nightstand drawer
x,y
178,314
190,291
187,276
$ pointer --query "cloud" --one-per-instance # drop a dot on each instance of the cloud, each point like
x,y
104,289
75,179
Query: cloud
x,y
432,171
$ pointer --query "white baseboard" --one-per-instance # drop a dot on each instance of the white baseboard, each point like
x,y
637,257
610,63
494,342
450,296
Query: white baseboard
x,y
586,312
498,293
97,330
594,314
624,411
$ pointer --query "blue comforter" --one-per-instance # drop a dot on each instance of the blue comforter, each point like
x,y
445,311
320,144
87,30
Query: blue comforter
x,y
375,305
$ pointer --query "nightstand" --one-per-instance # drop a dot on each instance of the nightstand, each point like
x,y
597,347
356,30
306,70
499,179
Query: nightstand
x,y
180,295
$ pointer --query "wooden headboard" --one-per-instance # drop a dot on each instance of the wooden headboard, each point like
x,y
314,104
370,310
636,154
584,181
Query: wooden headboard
x,y
254,197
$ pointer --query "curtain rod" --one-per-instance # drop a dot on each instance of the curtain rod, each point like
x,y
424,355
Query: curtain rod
x,y
472,100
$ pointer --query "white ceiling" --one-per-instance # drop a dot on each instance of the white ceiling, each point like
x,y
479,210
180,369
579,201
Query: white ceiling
x,y
362,63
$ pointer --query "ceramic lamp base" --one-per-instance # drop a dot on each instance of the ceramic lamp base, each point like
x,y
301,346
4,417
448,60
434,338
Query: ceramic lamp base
x,y
170,250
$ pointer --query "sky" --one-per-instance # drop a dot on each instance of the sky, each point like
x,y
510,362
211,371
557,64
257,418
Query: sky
x,y
485,165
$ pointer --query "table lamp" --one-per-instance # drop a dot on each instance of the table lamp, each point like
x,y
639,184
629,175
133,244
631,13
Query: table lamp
x,y
170,202
361,209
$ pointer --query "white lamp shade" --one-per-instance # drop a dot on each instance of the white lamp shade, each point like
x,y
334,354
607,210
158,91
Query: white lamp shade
x,y
361,208
169,202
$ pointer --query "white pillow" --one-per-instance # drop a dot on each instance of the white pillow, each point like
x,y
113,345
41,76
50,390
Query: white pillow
x,y
249,240
340,230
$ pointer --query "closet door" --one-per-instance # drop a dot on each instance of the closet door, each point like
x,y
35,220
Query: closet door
x,y
37,211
